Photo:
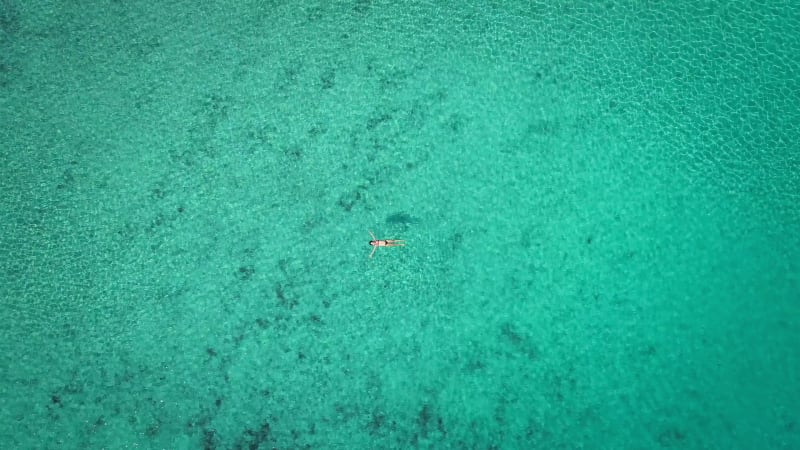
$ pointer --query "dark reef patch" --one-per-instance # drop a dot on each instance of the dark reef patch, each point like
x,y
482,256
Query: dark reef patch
x,y
245,272
210,439
328,79
350,199
671,437
253,439
519,341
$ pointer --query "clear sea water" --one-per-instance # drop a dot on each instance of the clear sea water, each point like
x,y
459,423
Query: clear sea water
x,y
601,204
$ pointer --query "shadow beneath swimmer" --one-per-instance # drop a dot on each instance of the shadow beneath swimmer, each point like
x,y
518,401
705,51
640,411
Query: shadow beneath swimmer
x,y
401,220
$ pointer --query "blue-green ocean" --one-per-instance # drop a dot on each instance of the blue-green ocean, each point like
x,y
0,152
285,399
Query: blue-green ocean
x,y
600,203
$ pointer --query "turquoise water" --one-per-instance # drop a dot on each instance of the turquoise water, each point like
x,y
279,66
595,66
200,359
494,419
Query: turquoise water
x,y
601,203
